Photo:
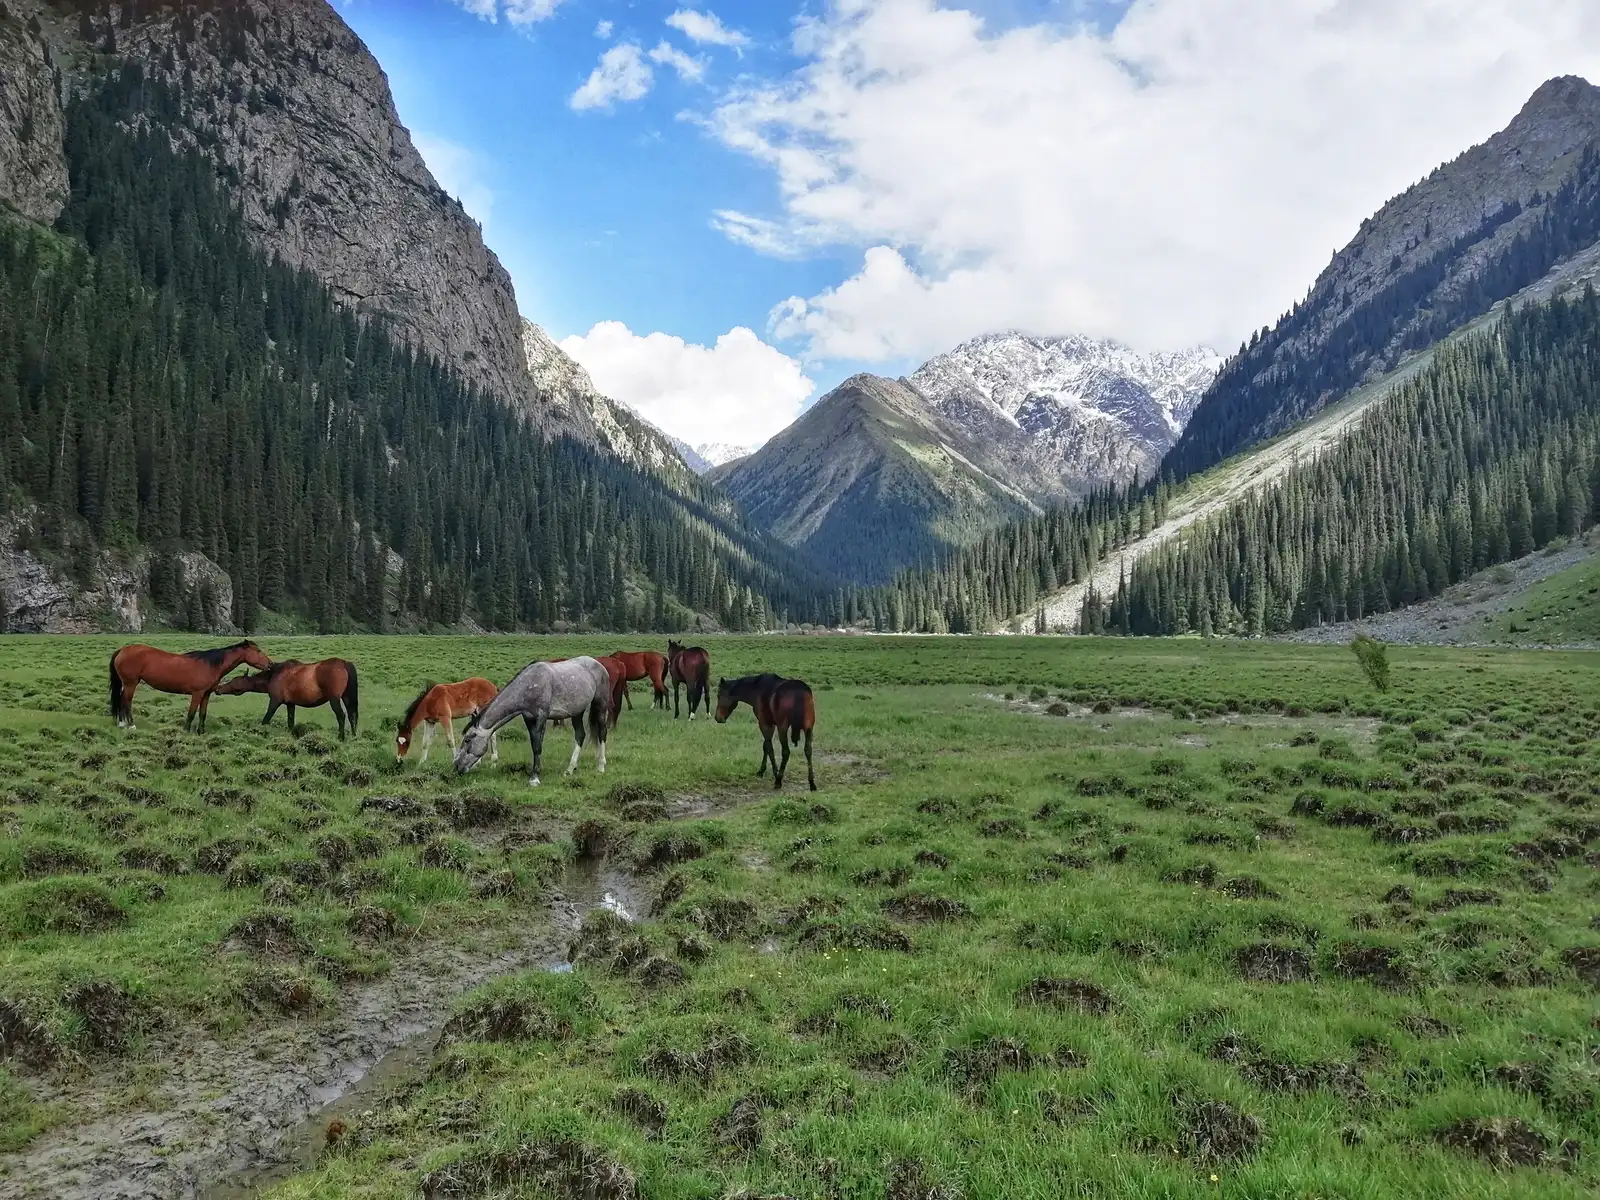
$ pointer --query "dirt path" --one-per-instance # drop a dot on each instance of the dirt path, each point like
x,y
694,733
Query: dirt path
x,y
1267,464
1458,616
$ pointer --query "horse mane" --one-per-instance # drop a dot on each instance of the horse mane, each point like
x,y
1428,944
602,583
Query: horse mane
x,y
405,721
214,657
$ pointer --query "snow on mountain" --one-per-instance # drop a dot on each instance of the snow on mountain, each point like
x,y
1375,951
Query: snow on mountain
x,y
1089,410
708,456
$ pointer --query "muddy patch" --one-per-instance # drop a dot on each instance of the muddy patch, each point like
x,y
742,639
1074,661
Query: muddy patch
x,y
228,1118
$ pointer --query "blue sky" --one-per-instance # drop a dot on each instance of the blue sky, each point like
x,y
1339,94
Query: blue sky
x,y
909,173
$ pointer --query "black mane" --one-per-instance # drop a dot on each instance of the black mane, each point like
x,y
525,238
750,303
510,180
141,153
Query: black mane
x,y
405,721
215,656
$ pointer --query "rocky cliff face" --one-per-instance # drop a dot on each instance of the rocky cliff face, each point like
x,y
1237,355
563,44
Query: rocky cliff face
x,y
33,171
1475,231
299,117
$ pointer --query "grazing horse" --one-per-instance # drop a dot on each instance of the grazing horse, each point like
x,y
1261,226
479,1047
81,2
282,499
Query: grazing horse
x,y
540,693
195,674
782,704
645,664
303,685
692,666
440,704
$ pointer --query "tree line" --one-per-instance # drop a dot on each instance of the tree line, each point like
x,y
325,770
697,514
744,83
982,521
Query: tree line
x,y
165,387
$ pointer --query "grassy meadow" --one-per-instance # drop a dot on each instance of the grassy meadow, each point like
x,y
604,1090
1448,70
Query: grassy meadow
x,y
1067,917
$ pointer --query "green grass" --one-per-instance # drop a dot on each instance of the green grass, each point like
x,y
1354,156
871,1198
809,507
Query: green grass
x,y
847,994
1563,609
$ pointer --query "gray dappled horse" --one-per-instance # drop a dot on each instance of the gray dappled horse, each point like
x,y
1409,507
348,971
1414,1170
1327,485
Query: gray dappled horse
x,y
543,692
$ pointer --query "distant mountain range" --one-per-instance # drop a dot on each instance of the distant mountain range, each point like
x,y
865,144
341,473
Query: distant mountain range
x,y
708,456
881,474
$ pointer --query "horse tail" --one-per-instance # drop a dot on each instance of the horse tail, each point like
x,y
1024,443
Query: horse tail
x,y
702,677
116,687
352,696
804,716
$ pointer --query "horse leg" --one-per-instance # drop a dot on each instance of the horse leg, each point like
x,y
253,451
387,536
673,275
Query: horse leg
x,y
811,776
779,769
338,714
288,712
675,685
536,726
427,736
597,718
205,708
627,694
766,749
128,689
194,707
272,707
577,741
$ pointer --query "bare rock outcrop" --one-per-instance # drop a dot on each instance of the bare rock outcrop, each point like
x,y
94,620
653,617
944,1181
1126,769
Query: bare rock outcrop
x,y
33,169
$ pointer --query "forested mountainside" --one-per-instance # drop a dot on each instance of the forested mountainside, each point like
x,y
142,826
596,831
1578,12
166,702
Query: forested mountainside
x,y
1476,231
166,388
1490,454
1491,451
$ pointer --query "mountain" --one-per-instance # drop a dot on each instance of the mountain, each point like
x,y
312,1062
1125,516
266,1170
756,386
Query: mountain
x,y
882,474
1084,412
1475,231
255,366
871,478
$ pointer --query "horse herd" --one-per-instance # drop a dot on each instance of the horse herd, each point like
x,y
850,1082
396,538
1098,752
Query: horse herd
x,y
587,692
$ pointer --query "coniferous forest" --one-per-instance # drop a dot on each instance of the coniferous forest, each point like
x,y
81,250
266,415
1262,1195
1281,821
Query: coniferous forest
x,y
165,388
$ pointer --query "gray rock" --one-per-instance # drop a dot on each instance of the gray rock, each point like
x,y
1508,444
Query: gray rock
x,y
33,170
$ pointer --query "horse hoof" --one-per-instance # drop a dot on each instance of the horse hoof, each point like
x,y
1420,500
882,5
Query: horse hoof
x,y
533,781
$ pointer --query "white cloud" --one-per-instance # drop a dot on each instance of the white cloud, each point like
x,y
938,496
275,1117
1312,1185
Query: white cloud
x,y
603,30
740,391
517,12
688,67
622,74
706,29
1182,178
460,172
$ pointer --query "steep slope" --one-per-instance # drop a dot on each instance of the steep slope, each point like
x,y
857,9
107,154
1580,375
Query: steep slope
x,y
299,119
871,479
1478,229
1089,412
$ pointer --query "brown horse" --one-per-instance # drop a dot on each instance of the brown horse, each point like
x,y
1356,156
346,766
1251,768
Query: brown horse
x,y
645,664
440,704
689,665
303,685
617,673
785,705
194,674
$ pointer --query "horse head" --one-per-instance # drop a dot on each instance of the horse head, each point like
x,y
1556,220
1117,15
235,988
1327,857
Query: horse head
x,y
251,654
726,701
240,684
473,746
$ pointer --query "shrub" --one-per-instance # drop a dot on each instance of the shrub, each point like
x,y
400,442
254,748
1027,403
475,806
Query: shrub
x,y
1373,656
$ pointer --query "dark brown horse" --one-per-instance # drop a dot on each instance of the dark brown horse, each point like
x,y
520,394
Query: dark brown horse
x,y
194,674
691,666
785,705
304,685
645,664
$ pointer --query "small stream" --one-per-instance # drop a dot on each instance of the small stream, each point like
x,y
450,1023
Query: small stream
x,y
582,887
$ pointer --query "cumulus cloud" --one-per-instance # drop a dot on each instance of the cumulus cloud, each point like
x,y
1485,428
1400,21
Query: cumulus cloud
x,y
740,391
621,75
706,29
459,171
517,12
687,66
603,30
1180,178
